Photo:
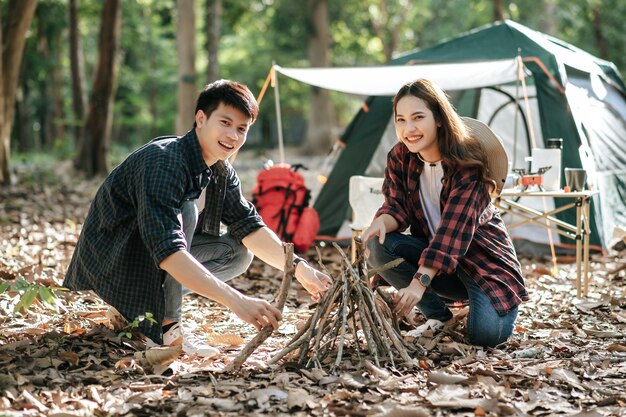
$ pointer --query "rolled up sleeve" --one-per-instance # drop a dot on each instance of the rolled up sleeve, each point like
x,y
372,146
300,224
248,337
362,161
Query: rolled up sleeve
x,y
158,203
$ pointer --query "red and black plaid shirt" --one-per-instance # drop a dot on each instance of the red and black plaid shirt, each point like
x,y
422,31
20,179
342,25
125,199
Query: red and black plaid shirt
x,y
471,234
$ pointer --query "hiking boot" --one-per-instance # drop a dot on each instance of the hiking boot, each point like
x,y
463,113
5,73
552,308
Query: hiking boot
x,y
192,344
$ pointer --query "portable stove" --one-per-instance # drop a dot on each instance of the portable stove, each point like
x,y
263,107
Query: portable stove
x,y
527,179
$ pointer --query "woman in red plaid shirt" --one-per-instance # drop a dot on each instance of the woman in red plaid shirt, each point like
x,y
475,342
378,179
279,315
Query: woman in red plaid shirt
x,y
439,181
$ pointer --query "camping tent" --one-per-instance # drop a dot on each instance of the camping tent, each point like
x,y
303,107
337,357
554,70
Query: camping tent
x,y
571,95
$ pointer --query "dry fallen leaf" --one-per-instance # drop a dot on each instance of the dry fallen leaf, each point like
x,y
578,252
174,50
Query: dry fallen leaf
x,y
71,357
160,355
616,347
228,339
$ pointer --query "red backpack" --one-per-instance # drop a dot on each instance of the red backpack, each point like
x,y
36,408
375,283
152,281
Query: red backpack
x,y
282,200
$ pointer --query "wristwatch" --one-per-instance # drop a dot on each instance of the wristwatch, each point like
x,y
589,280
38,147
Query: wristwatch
x,y
424,279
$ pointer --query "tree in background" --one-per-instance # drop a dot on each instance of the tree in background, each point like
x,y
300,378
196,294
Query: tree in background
x,y
386,13
186,46
252,33
79,98
319,134
12,38
498,10
40,112
213,32
93,154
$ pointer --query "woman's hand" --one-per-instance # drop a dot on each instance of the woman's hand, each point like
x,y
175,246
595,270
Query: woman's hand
x,y
255,311
407,298
314,281
377,228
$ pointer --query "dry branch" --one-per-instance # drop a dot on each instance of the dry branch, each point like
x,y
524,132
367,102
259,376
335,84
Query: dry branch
x,y
265,332
350,319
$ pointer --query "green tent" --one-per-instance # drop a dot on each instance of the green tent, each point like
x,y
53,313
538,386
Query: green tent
x,y
571,95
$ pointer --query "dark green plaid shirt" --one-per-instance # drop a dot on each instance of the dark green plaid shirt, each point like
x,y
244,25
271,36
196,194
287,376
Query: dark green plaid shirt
x,y
134,223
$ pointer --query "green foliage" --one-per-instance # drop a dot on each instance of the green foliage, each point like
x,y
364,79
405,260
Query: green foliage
x,y
255,33
29,292
129,329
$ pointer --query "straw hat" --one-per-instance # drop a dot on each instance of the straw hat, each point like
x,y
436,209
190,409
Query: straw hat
x,y
497,159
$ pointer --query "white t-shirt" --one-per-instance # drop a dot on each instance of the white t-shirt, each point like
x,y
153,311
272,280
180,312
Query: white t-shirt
x,y
430,193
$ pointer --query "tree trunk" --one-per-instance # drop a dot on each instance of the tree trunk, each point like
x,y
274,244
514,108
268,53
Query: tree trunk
x,y
380,26
43,84
58,129
79,99
93,156
319,137
548,20
498,10
22,132
214,23
186,44
20,15
596,21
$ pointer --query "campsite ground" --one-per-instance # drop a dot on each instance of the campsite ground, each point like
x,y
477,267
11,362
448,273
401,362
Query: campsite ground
x,y
566,357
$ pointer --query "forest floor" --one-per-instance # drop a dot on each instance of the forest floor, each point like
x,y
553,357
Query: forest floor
x,y
567,355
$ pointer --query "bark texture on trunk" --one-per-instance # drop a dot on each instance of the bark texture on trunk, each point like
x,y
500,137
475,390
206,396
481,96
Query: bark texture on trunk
x,y
214,24
93,155
20,15
319,136
79,98
186,43
498,10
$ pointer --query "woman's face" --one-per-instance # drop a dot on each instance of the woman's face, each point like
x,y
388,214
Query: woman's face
x,y
416,127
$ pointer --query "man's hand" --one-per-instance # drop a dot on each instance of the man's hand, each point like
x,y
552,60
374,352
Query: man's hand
x,y
407,298
314,281
255,311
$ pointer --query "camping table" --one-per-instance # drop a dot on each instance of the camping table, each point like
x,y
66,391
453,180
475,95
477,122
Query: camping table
x,y
579,232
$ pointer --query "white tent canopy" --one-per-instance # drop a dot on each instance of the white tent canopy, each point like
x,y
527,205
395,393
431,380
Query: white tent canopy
x,y
387,80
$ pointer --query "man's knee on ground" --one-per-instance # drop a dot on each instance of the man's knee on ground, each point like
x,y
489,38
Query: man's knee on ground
x,y
242,259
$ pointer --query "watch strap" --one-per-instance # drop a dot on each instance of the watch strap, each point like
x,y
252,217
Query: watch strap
x,y
423,279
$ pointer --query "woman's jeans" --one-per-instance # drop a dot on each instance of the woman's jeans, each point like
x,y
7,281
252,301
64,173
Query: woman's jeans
x,y
485,326
223,256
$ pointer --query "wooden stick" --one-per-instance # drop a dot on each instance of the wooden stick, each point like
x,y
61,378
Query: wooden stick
x,y
265,332
351,315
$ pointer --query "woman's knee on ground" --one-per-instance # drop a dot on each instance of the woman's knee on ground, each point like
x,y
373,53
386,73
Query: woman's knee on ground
x,y
489,336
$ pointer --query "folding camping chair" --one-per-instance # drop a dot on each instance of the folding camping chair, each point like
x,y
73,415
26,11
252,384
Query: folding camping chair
x,y
365,197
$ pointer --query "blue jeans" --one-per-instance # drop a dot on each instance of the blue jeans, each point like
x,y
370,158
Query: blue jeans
x,y
485,326
223,256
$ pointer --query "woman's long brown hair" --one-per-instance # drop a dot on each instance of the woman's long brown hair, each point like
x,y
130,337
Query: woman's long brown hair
x,y
458,149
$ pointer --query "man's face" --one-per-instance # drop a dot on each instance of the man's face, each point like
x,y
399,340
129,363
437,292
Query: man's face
x,y
221,134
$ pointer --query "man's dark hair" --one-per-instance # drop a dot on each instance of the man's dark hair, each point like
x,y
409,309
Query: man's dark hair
x,y
230,93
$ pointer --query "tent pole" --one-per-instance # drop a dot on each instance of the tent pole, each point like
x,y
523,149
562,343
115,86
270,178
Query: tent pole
x,y
279,122
519,75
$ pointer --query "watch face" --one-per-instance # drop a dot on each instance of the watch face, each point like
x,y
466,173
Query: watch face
x,y
425,280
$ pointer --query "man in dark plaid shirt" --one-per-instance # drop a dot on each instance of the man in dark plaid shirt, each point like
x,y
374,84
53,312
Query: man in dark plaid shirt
x,y
138,249
437,184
